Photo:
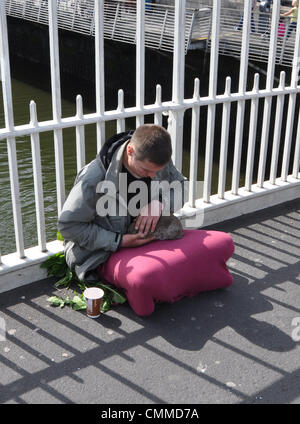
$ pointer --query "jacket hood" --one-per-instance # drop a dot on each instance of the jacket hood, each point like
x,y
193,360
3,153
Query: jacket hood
x,y
111,145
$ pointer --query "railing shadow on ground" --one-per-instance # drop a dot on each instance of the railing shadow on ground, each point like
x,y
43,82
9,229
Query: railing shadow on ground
x,y
264,259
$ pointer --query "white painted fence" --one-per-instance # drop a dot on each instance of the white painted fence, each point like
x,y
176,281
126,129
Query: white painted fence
x,y
23,266
119,20
119,24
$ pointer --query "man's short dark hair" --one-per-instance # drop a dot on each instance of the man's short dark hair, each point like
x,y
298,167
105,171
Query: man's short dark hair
x,y
152,142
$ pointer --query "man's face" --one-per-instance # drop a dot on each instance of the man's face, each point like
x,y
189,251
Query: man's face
x,y
141,168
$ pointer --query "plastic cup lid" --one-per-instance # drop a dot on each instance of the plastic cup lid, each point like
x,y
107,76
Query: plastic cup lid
x,y
93,293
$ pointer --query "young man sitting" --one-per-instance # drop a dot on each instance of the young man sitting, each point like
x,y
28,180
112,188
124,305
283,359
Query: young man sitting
x,y
92,232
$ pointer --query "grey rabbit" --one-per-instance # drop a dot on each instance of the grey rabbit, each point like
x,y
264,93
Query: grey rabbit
x,y
167,228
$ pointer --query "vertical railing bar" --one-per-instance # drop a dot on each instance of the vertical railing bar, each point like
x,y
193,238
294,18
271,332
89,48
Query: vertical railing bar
x,y
158,102
224,141
190,30
296,163
252,135
140,59
24,9
291,107
9,123
99,71
194,146
175,126
277,130
56,103
9,8
163,28
39,12
213,73
80,135
241,103
93,22
120,121
38,180
268,100
284,41
115,21
74,14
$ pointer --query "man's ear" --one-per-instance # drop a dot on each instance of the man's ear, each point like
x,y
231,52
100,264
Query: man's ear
x,y
130,149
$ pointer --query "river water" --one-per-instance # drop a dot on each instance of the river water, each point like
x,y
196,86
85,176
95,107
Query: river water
x,y
22,94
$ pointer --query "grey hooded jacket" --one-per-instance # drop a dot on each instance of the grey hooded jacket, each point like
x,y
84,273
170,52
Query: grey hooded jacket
x,y
89,237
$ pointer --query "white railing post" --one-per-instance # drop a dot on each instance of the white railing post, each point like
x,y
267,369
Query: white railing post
x,y
224,141
296,163
9,7
158,115
74,14
38,180
241,103
291,108
99,71
213,77
163,28
120,121
9,123
277,130
115,22
176,117
194,145
140,59
39,12
80,136
24,9
56,103
268,100
252,135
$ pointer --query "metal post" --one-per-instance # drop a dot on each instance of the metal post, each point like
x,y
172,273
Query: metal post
x,y
224,141
194,145
241,103
252,135
291,109
99,71
56,103
163,28
121,121
140,59
38,180
213,73
176,117
9,123
268,100
277,130
80,137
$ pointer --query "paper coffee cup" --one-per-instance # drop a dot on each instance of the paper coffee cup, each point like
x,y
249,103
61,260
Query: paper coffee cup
x,y
93,297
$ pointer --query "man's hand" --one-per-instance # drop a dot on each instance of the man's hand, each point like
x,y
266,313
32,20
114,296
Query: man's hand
x,y
149,216
135,240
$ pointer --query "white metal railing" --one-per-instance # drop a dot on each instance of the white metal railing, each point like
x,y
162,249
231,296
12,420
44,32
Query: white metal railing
x,y
269,189
119,21
260,36
119,24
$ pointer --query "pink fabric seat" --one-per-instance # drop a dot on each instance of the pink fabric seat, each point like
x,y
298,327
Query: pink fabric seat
x,y
167,270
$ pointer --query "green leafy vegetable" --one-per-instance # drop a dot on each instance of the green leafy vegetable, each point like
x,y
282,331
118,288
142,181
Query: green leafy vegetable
x,y
59,236
56,301
76,303
56,266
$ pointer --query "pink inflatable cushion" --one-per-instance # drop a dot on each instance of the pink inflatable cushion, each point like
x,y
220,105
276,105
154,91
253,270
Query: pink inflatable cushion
x,y
167,270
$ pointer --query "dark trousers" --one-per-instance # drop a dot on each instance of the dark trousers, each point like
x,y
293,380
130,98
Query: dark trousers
x,y
240,25
291,28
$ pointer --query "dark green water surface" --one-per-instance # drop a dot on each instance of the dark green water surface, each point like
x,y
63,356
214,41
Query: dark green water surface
x,y
22,95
